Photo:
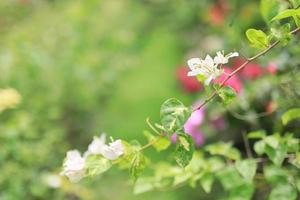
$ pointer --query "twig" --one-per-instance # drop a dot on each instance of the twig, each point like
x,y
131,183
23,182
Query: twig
x,y
240,68
222,85
247,145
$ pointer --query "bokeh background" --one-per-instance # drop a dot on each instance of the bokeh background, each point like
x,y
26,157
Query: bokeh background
x,y
85,67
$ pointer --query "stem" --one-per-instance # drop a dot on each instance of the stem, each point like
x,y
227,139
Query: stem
x,y
247,145
240,68
224,82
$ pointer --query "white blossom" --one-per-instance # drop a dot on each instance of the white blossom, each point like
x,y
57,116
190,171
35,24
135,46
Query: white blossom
x,y
52,180
74,166
97,145
113,150
206,68
220,58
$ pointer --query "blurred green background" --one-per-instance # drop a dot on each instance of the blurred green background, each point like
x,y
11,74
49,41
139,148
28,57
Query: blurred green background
x,y
92,66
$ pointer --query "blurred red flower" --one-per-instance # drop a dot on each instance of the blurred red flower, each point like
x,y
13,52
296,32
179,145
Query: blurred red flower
x,y
190,84
251,71
217,12
272,69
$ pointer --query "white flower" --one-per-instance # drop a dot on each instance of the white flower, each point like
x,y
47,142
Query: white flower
x,y
206,68
52,180
74,166
97,145
113,150
220,58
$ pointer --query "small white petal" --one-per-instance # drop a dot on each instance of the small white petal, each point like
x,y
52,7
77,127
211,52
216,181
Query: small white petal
x,y
234,54
114,150
193,63
195,72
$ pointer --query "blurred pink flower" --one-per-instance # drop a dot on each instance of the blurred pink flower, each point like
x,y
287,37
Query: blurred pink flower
x,y
271,68
219,123
233,82
218,12
191,127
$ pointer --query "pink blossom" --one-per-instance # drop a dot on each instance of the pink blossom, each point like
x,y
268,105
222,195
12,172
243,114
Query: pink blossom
x,y
271,68
251,71
191,127
233,82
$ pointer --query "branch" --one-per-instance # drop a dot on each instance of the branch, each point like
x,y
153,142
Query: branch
x,y
240,68
224,81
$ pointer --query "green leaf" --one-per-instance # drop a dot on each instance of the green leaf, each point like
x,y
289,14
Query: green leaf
x,y
283,192
230,178
268,9
206,182
259,147
272,140
224,149
242,192
96,164
184,149
296,160
247,168
277,155
257,134
290,115
227,94
275,174
295,3
257,38
144,184
138,164
173,115
161,144
287,13
282,34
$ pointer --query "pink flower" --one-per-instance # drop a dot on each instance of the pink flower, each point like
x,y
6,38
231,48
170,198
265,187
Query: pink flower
x,y
271,68
251,71
191,127
190,84
233,82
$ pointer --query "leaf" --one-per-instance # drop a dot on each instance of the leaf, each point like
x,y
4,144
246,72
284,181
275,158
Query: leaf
x,y
257,134
259,147
277,155
296,160
96,164
290,115
247,168
268,9
161,144
287,13
173,115
227,94
242,192
272,140
295,3
282,34
206,182
184,149
144,184
138,164
283,192
230,178
275,174
257,38
224,149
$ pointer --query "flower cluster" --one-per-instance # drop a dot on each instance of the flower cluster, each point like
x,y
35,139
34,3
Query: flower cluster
x,y
209,68
74,164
